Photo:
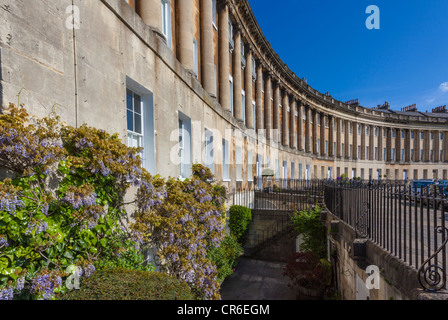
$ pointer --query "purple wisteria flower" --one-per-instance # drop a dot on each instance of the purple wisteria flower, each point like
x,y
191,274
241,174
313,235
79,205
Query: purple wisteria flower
x,y
89,270
6,294
77,199
37,227
3,242
44,285
83,144
10,202
20,284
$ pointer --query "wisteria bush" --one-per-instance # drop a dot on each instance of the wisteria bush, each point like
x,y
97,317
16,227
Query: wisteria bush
x,y
184,227
63,206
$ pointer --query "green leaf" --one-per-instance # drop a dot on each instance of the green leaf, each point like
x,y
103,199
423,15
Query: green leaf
x,y
10,257
68,254
103,242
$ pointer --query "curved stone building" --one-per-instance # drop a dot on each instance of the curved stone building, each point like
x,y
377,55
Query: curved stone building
x,y
197,81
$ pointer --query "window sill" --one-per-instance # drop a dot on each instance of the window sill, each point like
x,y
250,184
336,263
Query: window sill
x,y
226,180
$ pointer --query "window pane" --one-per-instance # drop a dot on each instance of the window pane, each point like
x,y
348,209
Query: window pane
x,y
135,141
129,99
130,120
129,139
164,18
138,123
137,104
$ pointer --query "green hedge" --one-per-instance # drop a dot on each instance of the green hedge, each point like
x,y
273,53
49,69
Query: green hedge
x,y
123,284
307,223
226,256
239,218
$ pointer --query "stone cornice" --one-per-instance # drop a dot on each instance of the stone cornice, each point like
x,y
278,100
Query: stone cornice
x,y
263,52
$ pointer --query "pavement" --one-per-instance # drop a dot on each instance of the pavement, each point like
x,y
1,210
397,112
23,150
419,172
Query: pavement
x,y
257,280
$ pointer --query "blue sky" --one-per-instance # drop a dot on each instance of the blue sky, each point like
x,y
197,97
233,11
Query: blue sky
x,y
327,42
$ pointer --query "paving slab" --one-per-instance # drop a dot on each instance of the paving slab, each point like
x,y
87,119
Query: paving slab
x,y
257,280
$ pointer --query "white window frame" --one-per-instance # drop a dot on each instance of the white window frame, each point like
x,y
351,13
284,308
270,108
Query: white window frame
x,y
231,41
209,154
148,141
132,134
277,169
214,11
254,69
293,171
254,115
243,106
231,94
185,145
225,161
239,163
216,79
195,57
166,21
250,176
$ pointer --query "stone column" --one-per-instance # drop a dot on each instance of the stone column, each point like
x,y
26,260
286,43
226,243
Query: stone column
x,y
185,32
445,147
435,146
398,146
300,136
355,154
292,122
338,138
259,97
389,145
308,147
267,104
347,139
363,154
237,74
380,144
417,146
152,17
285,105
248,87
276,110
208,65
224,58
407,145
371,155
315,149
331,151
426,143
322,134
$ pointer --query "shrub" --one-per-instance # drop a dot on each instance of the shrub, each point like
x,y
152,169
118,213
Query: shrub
x,y
226,256
183,226
307,223
305,269
123,284
63,205
239,218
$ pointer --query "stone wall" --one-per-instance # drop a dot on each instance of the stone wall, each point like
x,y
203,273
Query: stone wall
x,y
352,256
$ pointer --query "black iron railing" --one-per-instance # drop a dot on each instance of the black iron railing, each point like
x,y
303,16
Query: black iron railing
x,y
409,222
279,194
272,202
